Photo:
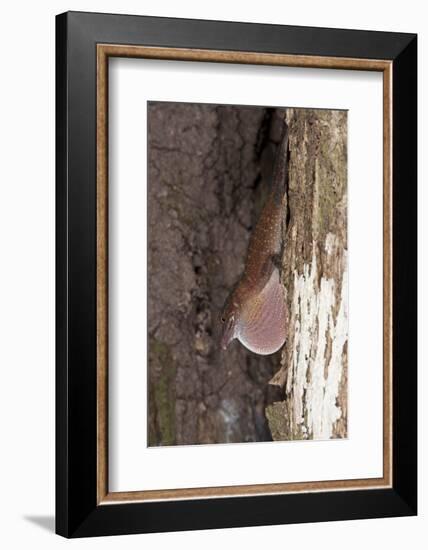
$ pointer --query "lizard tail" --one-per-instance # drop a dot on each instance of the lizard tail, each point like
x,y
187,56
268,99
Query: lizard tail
x,y
280,170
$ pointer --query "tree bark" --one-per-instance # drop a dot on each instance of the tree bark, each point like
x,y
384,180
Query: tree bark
x,y
209,172
313,373
205,193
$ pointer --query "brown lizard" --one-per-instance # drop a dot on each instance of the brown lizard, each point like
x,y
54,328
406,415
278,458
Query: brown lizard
x,y
254,312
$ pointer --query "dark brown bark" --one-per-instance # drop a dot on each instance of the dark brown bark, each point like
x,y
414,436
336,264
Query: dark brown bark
x,y
205,192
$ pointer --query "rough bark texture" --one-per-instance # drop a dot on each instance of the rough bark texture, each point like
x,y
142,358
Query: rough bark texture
x,y
313,374
209,172
205,193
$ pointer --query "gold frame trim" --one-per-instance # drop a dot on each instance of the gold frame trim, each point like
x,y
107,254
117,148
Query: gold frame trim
x,y
104,51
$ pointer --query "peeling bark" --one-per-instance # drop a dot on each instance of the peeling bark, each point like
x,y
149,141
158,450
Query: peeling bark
x,y
313,373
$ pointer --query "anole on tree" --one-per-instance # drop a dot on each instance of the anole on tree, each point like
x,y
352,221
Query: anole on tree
x,y
255,312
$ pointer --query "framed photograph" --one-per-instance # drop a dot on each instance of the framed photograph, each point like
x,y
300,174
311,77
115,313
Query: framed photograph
x,y
236,274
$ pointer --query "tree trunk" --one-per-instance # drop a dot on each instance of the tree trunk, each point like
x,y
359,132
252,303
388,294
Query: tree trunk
x,y
209,171
205,193
313,373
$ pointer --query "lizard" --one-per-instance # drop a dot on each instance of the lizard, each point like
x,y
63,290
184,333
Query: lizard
x,y
255,311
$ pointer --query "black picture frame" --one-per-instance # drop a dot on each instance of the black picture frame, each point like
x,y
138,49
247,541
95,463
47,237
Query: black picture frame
x,y
77,511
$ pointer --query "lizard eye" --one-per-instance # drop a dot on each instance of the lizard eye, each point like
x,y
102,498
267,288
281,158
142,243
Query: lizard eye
x,y
223,320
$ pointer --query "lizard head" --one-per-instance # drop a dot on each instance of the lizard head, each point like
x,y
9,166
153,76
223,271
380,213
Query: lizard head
x,y
230,321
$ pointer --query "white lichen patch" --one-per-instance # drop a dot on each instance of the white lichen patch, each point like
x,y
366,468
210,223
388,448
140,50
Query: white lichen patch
x,y
321,332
